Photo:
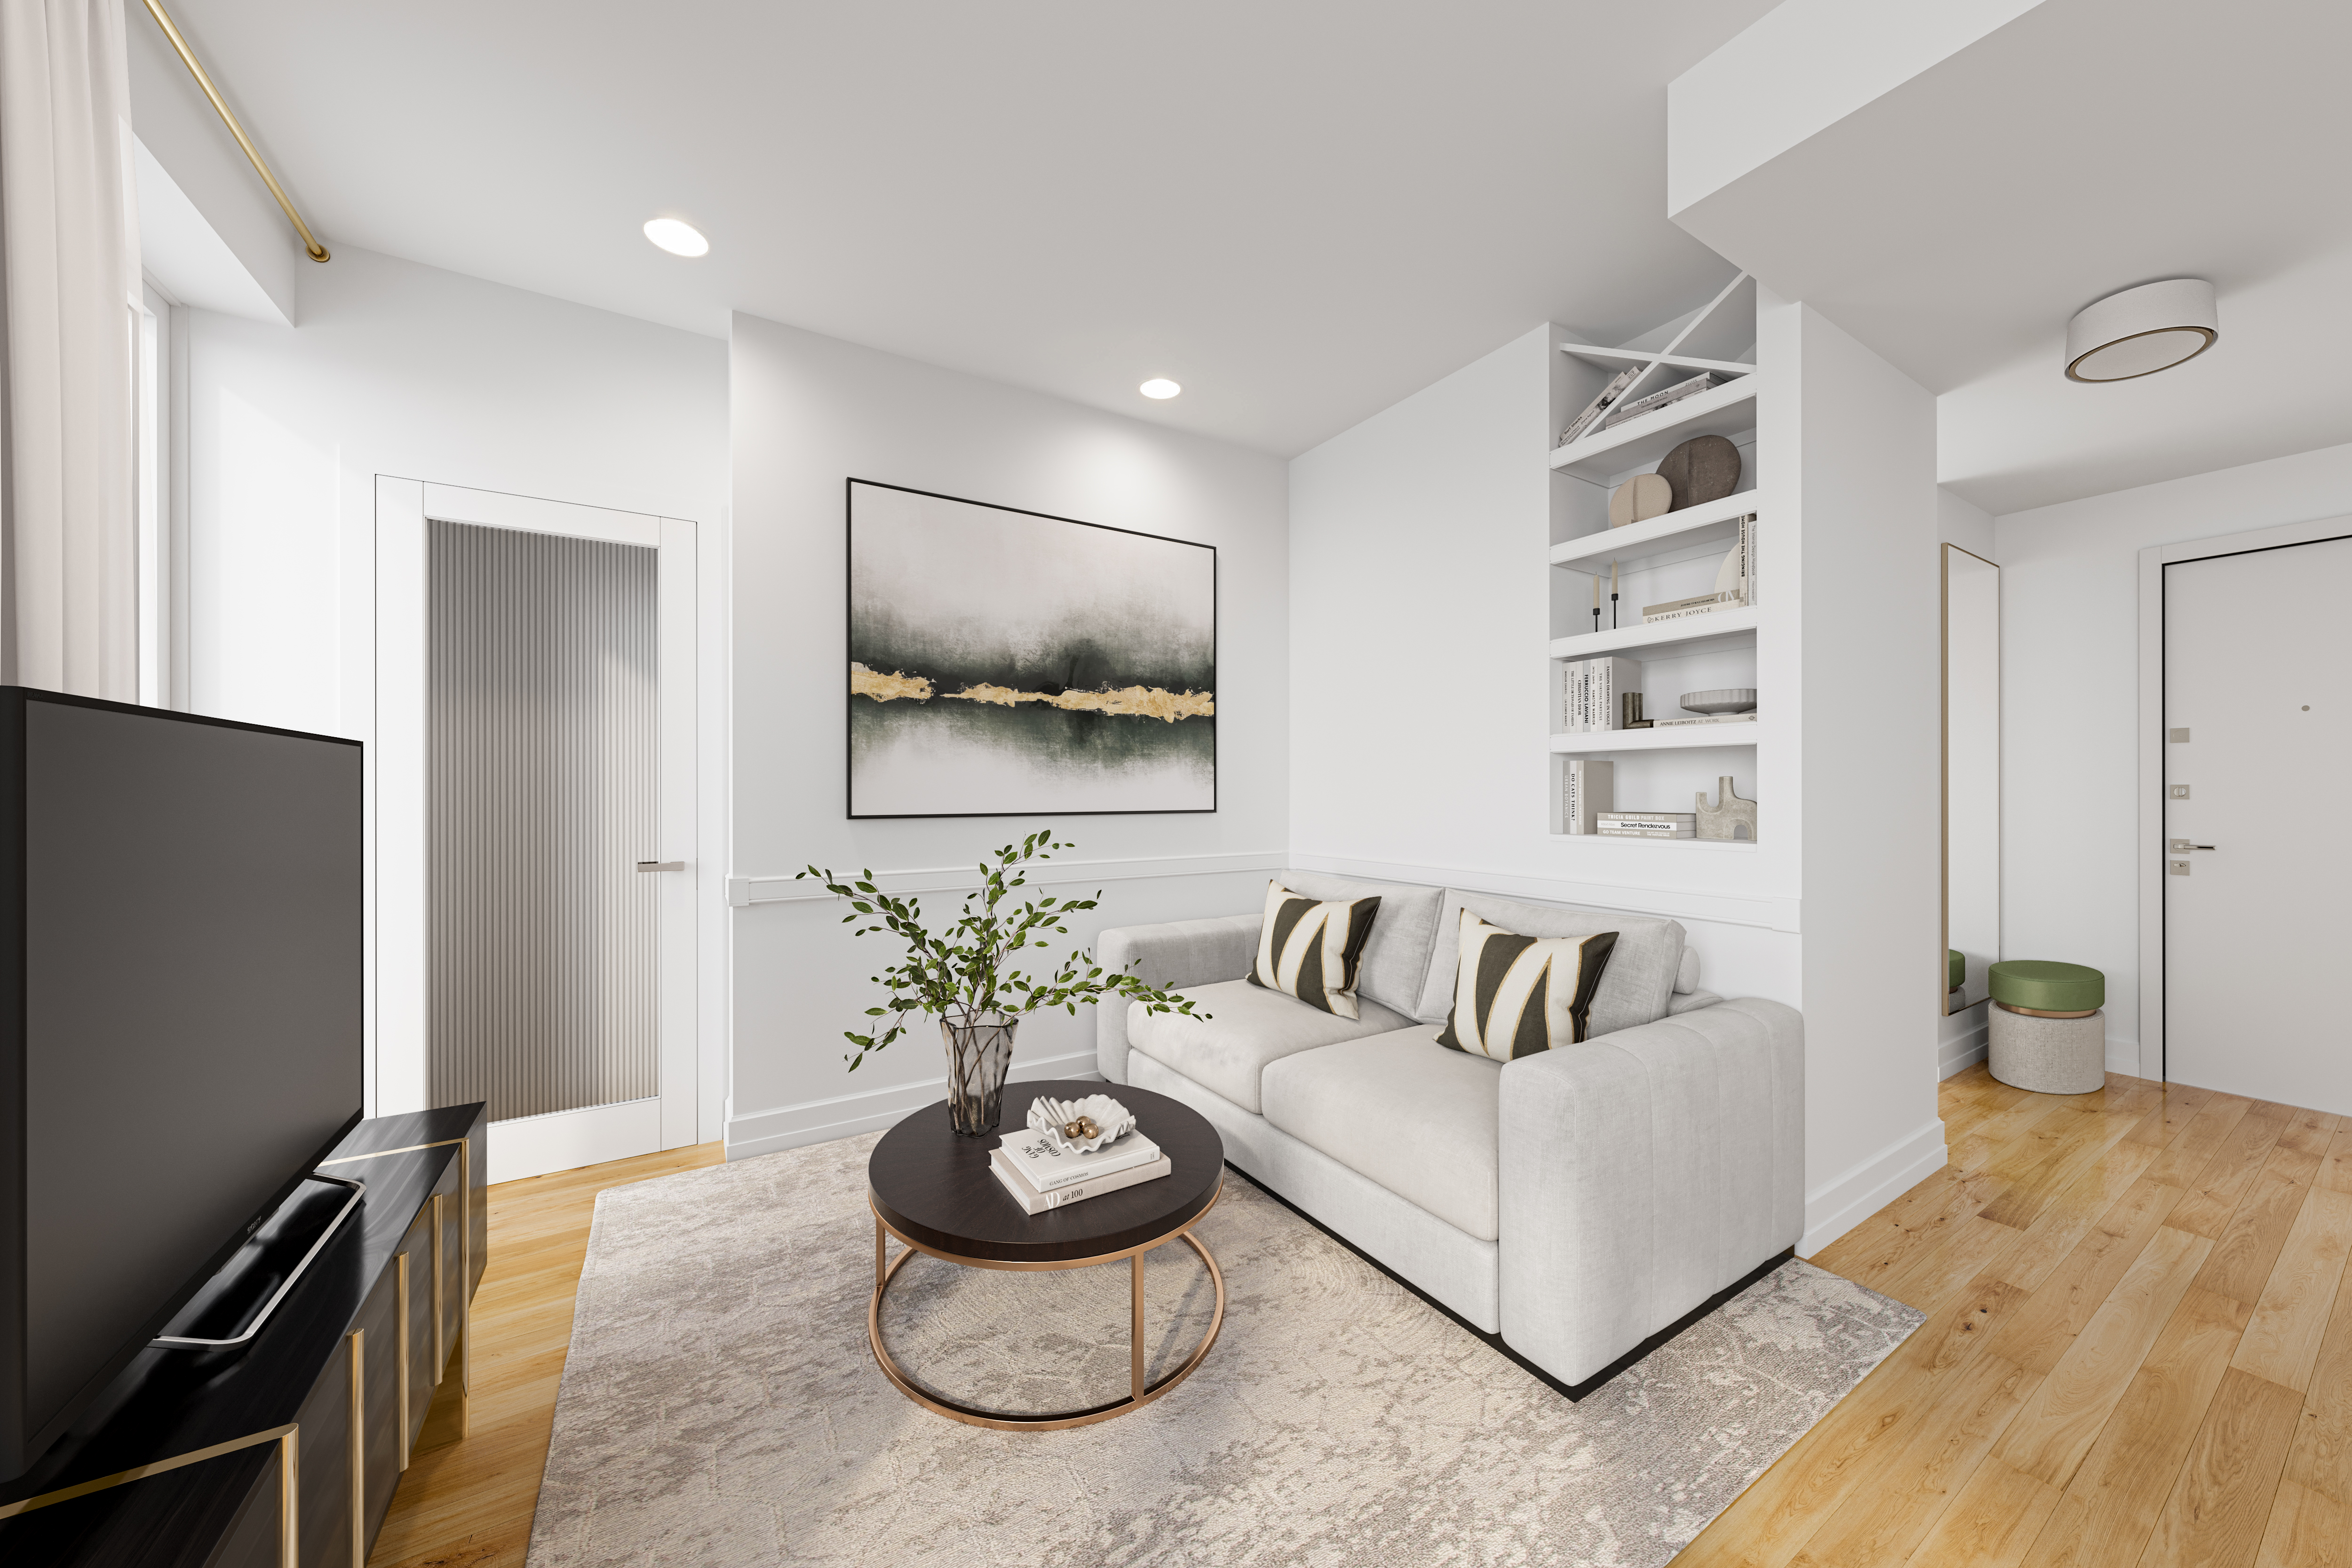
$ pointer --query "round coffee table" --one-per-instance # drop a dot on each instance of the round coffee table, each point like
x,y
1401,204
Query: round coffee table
x,y
934,1191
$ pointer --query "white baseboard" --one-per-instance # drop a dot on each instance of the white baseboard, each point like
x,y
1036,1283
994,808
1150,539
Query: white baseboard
x,y
847,1115
1956,1056
1871,1186
567,1140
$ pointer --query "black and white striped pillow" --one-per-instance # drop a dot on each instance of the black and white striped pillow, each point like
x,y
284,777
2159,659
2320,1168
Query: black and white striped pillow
x,y
1310,949
1516,995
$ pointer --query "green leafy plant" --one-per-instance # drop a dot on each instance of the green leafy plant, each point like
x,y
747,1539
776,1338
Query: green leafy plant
x,y
967,971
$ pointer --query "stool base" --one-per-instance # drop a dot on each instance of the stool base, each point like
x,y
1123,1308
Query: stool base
x,y
2047,1054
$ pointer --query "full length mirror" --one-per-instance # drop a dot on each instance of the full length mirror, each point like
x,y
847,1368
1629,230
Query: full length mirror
x,y
1971,774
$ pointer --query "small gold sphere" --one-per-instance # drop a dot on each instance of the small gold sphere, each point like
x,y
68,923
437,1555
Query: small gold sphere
x,y
1084,1127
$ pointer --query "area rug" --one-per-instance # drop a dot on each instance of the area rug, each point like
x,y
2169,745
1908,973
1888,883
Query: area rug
x,y
720,1405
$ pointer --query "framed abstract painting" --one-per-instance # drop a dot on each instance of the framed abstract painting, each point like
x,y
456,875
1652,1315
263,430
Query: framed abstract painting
x,y
1005,663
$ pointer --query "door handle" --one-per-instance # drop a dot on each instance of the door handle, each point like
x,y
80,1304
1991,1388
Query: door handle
x,y
2182,847
681,865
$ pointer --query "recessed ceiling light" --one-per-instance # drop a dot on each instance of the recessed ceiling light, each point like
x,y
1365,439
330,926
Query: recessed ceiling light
x,y
677,239
1159,386
2142,330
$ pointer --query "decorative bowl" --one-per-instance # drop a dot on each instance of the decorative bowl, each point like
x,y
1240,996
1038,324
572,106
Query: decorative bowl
x,y
1056,1118
1726,700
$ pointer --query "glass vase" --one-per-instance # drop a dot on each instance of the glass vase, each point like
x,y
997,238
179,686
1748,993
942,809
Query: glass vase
x,y
980,1053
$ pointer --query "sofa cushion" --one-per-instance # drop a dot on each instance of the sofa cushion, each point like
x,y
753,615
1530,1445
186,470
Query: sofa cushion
x,y
1642,966
1396,958
1247,1027
1514,995
1403,1110
1310,949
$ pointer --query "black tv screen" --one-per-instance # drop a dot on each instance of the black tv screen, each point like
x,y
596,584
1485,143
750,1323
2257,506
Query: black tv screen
x,y
181,1019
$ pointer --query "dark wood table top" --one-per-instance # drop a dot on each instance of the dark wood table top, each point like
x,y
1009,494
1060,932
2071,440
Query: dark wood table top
x,y
936,1188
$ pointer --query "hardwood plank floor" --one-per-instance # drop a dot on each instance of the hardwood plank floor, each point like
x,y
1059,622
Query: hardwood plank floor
x,y
2139,1348
468,1505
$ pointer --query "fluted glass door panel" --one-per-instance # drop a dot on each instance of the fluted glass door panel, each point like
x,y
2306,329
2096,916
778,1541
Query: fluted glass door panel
x,y
542,795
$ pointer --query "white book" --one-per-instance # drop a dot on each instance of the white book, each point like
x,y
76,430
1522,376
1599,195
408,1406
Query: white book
x,y
1608,831
1606,680
1684,614
1747,559
1589,786
1649,824
1031,1201
1711,718
1046,1165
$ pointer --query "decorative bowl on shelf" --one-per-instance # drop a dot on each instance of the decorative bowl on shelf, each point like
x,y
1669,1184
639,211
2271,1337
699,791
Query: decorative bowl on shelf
x,y
1080,1126
1726,700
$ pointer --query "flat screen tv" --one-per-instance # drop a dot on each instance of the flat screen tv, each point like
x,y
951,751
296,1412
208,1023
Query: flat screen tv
x,y
181,1019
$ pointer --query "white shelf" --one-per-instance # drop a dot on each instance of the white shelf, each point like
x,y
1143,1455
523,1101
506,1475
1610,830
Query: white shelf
x,y
1724,628
1680,738
1727,410
1710,846
1707,523
1644,356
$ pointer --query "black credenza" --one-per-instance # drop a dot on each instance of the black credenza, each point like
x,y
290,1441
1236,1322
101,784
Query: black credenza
x,y
284,1452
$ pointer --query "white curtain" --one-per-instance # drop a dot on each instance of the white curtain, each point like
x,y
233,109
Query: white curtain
x,y
68,273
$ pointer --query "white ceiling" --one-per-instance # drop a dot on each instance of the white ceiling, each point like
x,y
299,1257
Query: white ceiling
x,y
1302,212
1955,222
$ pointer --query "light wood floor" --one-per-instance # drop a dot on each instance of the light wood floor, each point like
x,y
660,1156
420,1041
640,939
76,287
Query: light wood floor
x,y
2138,1351
2139,1348
469,1504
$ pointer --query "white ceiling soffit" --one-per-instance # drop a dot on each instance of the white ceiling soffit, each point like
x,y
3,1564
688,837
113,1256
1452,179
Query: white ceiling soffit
x,y
182,251
1957,218
1303,213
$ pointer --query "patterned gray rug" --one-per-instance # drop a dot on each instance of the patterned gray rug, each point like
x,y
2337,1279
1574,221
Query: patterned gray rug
x,y
720,1405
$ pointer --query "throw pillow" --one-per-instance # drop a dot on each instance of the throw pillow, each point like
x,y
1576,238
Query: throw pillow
x,y
1310,949
1514,995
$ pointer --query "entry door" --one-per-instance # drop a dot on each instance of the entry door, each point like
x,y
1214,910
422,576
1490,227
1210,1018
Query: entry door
x,y
2258,884
536,825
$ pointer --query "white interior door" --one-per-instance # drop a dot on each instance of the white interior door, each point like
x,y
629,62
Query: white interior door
x,y
2258,725
535,822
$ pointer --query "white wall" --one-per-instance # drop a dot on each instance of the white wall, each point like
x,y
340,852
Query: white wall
x,y
1961,1036
1863,440
810,413
2070,684
405,370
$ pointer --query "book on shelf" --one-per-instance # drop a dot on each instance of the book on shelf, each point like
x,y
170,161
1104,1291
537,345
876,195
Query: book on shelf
x,y
1590,689
1711,718
1706,380
1648,611
1743,550
1031,1201
1588,788
1712,606
1647,824
1046,1165
1599,406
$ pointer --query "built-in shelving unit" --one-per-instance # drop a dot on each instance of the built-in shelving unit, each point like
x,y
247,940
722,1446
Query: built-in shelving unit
x,y
1670,557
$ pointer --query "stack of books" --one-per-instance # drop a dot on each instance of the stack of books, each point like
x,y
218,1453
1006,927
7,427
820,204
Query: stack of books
x,y
1735,583
1648,825
1041,1174
1590,693
1599,406
1710,719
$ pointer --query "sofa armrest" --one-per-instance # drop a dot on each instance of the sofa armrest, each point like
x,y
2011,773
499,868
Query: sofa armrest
x,y
1642,1172
1179,953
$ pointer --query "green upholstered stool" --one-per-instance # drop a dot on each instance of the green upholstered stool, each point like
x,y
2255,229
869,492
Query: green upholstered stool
x,y
2046,1033
2037,985
1955,969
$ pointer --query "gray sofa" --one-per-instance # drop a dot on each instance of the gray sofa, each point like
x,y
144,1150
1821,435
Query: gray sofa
x,y
1574,1203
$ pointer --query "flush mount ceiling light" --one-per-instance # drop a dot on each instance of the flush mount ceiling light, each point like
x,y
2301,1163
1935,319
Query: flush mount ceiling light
x,y
1159,386
2142,330
677,239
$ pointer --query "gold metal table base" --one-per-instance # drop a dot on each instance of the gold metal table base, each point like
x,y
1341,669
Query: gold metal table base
x,y
1139,1394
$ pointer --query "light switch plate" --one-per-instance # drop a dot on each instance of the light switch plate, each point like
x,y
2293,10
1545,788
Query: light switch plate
x,y
2179,792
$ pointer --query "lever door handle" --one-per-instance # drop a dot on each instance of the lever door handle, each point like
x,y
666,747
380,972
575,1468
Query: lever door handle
x,y
661,865
2182,847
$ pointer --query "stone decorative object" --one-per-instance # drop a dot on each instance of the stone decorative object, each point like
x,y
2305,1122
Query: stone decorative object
x,y
1730,820
1081,1126
1723,699
1640,498
1703,468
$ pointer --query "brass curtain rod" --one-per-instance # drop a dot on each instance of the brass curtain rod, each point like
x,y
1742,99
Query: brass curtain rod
x,y
188,57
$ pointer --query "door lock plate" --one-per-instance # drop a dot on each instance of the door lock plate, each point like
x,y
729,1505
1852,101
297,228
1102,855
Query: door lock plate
x,y
2178,792
2179,868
